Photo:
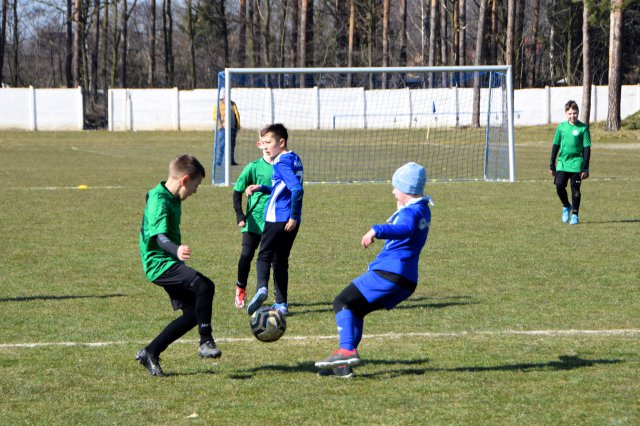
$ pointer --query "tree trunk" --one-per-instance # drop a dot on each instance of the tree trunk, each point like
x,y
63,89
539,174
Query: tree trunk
x,y
242,60
478,61
585,111
151,76
385,40
115,45
403,33
455,29
123,44
69,45
192,44
552,44
511,20
169,60
77,43
615,52
352,25
95,50
304,15
424,30
493,57
3,37
533,44
444,59
433,13
518,39
462,47
266,41
16,45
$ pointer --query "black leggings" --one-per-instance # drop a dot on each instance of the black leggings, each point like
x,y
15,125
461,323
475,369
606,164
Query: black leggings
x,y
250,242
275,248
561,179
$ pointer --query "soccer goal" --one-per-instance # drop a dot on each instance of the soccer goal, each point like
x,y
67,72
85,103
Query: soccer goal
x,y
360,124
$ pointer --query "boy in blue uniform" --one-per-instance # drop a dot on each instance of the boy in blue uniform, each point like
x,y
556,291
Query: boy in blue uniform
x,y
163,255
258,172
392,277
282,217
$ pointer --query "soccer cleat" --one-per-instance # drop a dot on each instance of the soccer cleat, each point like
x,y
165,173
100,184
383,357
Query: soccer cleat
x,y
282,307
340,358
257,300
209,350
565,214
339,372
241,294
150,362
574,220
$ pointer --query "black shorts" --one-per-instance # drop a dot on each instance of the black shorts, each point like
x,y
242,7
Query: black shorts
x,y
562,178
175,282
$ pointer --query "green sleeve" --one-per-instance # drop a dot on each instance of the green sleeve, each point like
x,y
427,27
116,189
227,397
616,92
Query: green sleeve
x,y
558,135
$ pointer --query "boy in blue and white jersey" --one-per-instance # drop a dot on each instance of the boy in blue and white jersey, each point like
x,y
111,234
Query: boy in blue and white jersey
x,y
282,217
392,277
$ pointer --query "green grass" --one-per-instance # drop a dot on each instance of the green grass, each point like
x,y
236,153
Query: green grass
x,y
498,265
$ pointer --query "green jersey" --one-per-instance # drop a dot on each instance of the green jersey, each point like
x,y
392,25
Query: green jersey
x,y
572,139
258,172
161,216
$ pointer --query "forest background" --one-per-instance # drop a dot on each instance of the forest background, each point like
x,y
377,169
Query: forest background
x,y
102,44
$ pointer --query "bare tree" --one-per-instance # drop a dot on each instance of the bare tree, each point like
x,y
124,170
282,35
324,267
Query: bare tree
x,y
16,46
433,13
511,20
191,34
475,119
167,33
352,28
533,44
585,111
123,43
3,36
444,59
151,75
242,36
385,40
93,76
615,51
462,46
403,33
69,44
77,43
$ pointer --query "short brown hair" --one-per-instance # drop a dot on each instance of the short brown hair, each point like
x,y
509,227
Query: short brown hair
x,y
186,164
278,130
571,105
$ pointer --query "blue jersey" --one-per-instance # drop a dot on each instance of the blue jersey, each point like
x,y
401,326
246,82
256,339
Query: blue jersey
x,y
285,201
406,234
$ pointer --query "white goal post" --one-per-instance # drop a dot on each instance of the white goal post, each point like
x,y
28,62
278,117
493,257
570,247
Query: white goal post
x,y
360,124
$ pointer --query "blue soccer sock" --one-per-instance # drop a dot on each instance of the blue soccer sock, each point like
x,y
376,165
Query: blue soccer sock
x,y
349,329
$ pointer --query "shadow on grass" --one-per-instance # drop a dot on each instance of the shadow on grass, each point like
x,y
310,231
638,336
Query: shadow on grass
x,y
604,222
44,297
411,303
564,363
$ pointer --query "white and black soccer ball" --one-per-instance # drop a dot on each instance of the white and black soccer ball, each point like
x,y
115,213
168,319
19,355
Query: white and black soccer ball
x,y
268,325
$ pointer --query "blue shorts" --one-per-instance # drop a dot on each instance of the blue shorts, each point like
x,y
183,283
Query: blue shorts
x,y
380,291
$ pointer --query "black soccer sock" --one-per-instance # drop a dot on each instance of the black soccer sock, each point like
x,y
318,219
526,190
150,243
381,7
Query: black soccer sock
x,y
172,332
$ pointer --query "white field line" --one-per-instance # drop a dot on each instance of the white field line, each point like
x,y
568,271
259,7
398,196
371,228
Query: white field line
x,y
615,332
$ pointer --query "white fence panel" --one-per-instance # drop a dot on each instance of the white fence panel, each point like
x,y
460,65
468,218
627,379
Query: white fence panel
x,y
41,109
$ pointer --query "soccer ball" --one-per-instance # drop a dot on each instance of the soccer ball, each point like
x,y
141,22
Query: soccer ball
x,y
268,325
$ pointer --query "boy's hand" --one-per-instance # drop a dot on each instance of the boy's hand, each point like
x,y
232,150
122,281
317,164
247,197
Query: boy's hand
x,y
290,225
584,175
241,224
251,189
368,238
184,252
552,172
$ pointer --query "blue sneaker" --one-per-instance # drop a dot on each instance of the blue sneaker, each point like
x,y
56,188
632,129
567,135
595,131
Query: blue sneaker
x,y
257,300
565,214
282,307
574,220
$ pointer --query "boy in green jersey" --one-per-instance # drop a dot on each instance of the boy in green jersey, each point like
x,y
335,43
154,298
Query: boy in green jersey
x,y
258,172
570,161
163,255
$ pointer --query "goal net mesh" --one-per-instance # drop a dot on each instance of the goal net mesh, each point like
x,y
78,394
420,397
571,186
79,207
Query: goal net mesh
x,y
360,127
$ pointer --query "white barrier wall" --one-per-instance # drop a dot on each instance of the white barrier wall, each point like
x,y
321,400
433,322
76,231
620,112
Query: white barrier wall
x,y
171,109
41,109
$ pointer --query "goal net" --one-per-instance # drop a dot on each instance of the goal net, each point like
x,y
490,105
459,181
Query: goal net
x,y
361,124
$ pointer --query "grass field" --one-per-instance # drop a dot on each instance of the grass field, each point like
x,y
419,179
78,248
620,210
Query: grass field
x,y
518,319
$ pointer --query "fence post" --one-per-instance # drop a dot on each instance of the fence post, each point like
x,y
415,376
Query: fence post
x,y
80,108
176,118
32,109
547,104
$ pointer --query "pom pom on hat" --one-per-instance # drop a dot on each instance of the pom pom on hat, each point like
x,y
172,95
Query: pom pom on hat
x,y
410,179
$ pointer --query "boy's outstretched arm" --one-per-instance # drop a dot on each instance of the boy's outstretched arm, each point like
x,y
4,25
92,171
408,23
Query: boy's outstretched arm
x,y
368,238
237,206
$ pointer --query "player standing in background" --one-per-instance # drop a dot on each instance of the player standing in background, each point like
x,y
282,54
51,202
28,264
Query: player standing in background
x,y
570,156
282,217
219,118
163,256
258,172
392,277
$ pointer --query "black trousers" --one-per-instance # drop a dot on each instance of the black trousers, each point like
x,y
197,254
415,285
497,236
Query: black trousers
x,y
275,248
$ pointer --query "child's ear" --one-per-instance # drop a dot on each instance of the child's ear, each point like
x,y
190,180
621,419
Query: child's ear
x,y
283,142
259,144
184,179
